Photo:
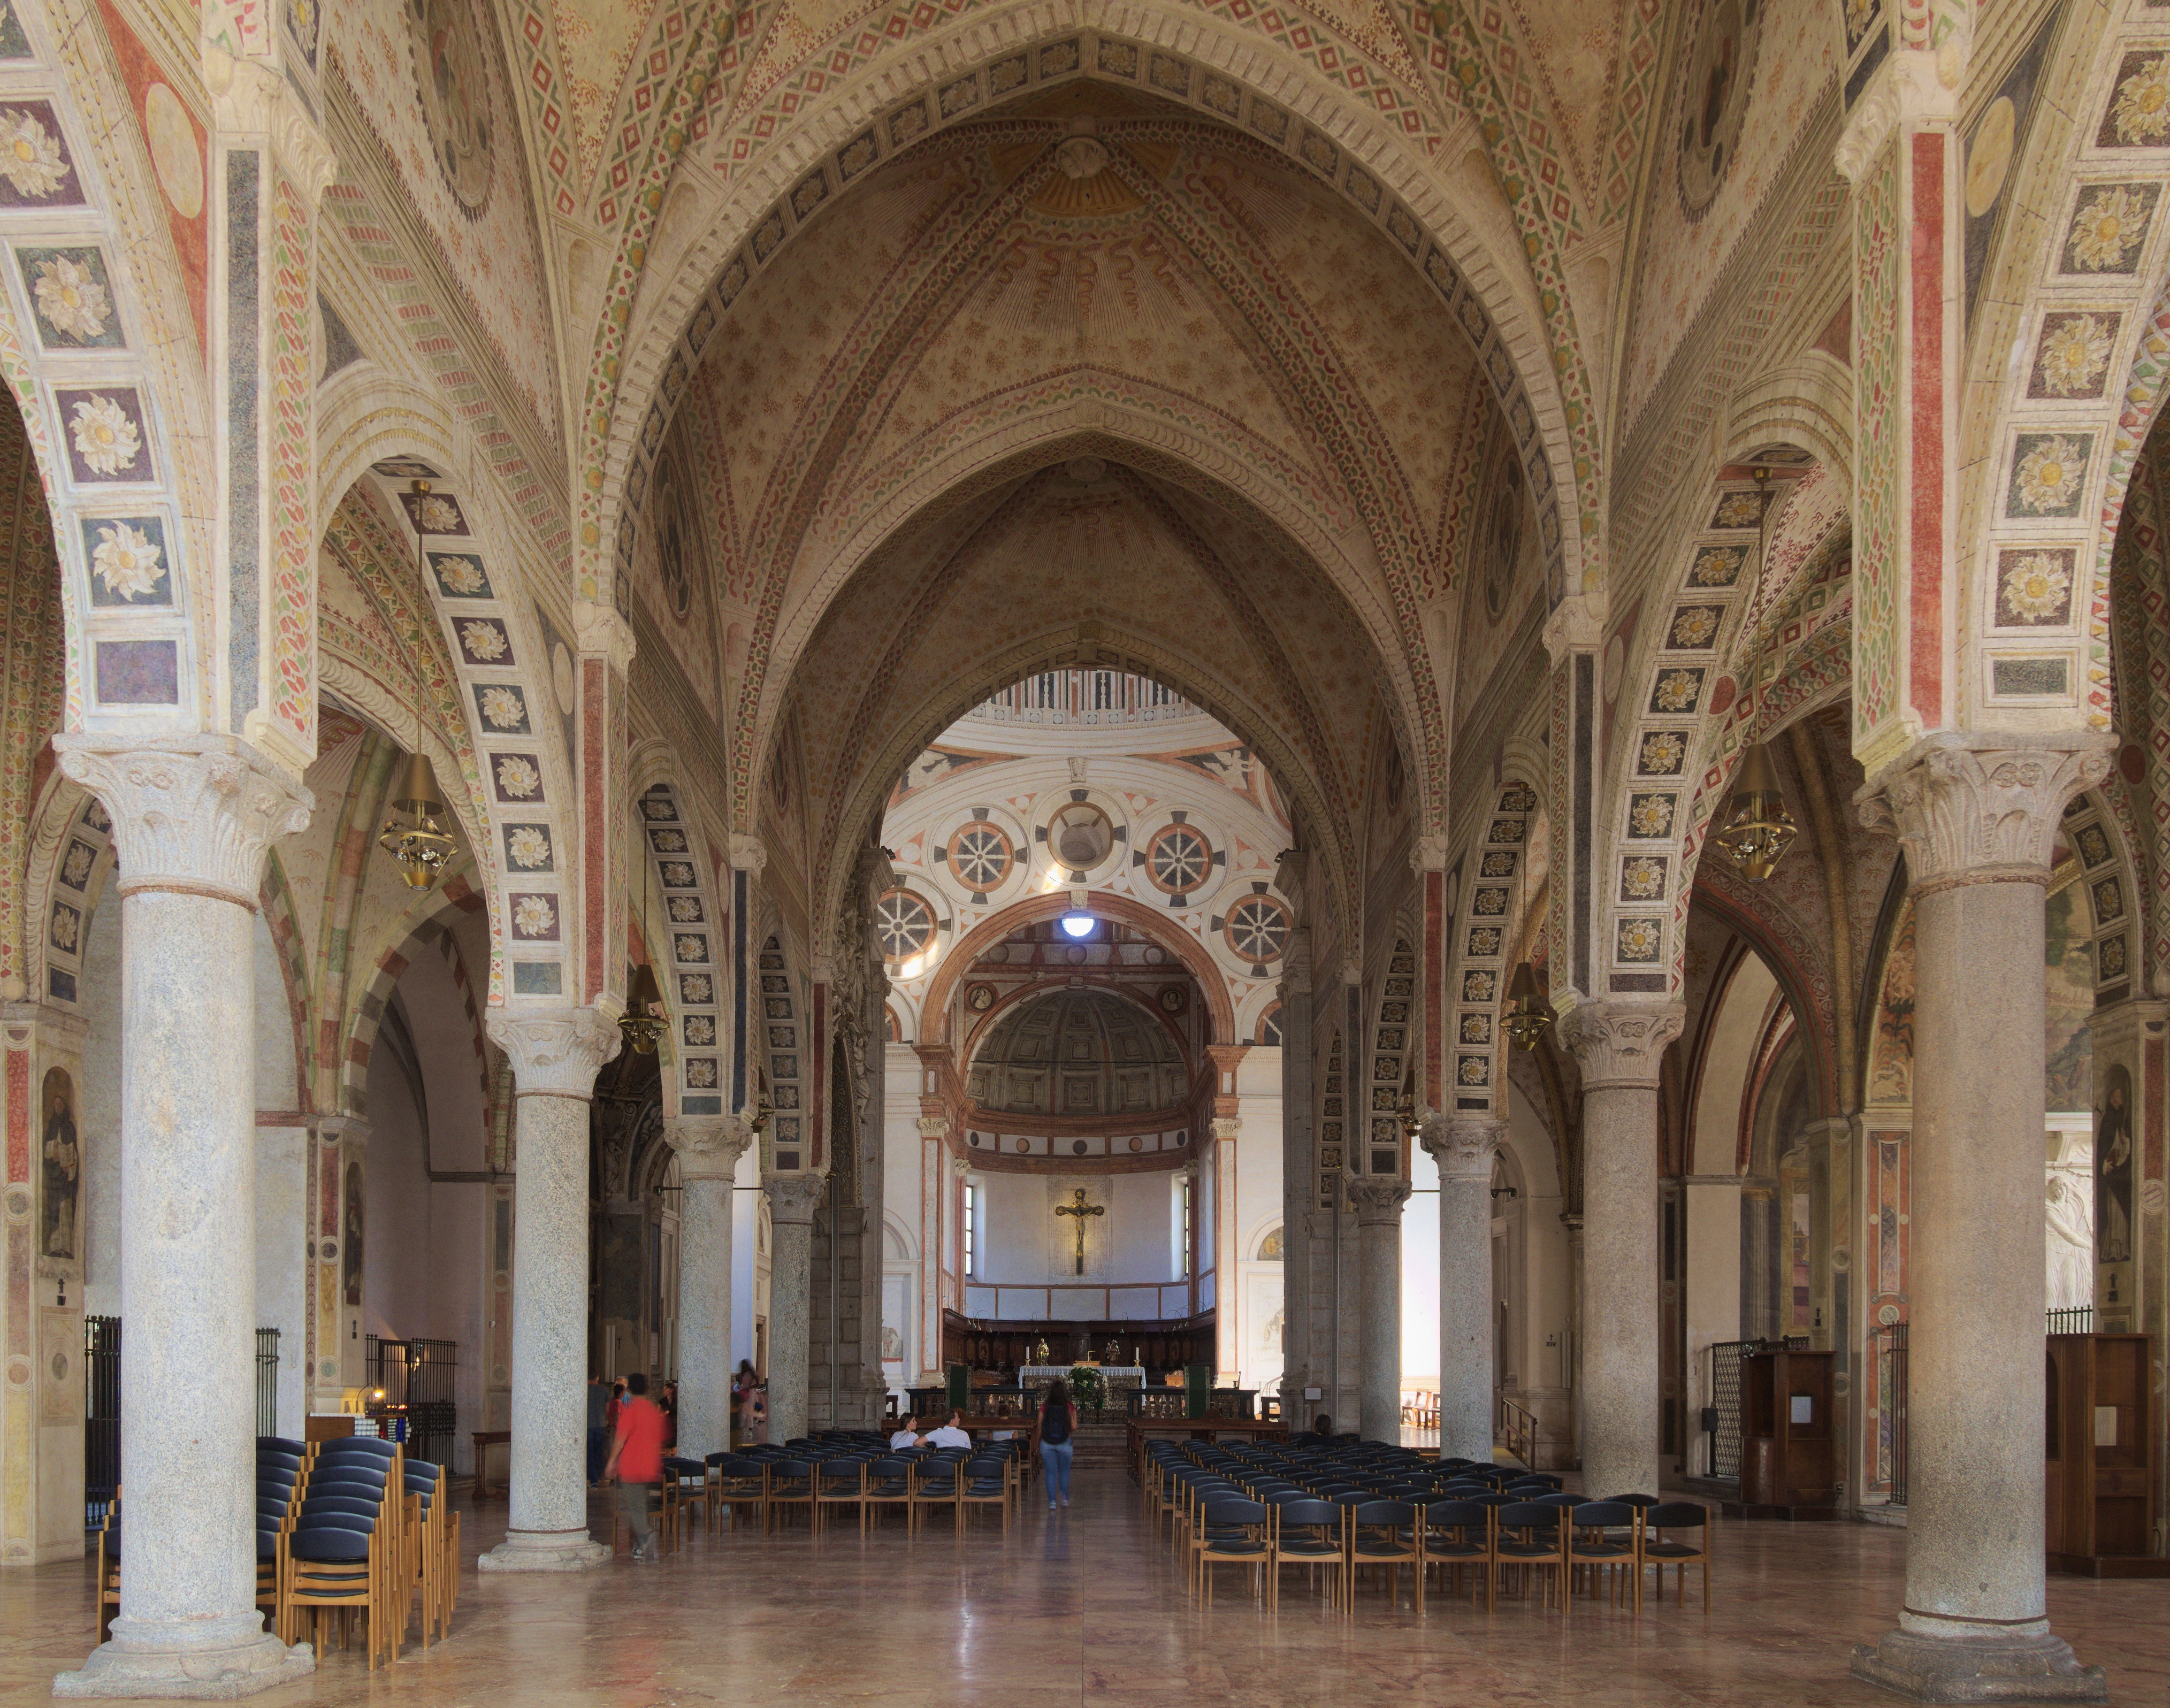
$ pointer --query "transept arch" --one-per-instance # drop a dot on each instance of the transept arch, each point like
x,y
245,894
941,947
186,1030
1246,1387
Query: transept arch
x,y
641,362
1088,644
1212,983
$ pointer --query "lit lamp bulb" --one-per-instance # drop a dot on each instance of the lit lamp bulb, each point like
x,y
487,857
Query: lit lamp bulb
x,y
1757,829
416,835
1528,1013
643,1020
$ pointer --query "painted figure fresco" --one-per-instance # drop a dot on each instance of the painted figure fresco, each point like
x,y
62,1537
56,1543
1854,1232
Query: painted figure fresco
x,y
2114,1170
62,1157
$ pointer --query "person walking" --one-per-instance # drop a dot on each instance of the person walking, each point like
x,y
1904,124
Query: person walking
x,y
599,1398
1058,1422
637,1460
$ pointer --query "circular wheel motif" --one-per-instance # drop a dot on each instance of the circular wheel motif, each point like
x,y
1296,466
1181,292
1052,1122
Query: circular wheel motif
x,y
981,857
1178,860
1258,928
904,925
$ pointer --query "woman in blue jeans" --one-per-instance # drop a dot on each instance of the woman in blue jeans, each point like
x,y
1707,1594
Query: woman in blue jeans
x,y
1058,1422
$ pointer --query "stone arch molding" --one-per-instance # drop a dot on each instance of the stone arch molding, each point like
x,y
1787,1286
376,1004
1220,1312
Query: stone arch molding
x,y
1495,866
520,734
1755,621
109,331
635,389
688,951
2087,322
1073,648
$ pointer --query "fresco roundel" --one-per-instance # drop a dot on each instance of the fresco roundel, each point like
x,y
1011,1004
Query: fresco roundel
x,y
1714,104
451,76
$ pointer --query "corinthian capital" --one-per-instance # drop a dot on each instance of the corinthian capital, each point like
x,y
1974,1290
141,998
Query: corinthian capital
x,y
1621,1043
555,1051
1377,1198
1969,806
708,1146
193,812
794,1198
1463,1147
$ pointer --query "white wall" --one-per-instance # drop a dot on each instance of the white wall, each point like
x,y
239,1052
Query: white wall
x,y
1252,1294
1420,1275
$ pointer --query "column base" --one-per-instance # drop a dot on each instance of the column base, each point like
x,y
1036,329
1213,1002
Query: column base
x,y
545,1551
122,1669
1979,1668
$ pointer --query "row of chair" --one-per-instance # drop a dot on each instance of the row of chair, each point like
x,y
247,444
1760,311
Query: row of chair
x,y
769,1486
1263,1510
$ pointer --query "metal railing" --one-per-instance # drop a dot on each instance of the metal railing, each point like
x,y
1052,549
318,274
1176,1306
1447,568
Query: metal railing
x,y
2078,1319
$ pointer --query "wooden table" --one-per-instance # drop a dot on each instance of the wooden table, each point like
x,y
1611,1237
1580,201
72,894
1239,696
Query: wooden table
x,y
484,1439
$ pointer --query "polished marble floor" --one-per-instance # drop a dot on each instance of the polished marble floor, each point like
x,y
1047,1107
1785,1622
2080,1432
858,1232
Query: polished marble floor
x,y
1082,1610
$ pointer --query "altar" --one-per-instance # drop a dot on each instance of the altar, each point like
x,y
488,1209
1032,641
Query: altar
x,y
1112,1376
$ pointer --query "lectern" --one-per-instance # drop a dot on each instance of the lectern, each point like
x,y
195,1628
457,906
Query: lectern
x,y
1787,1447
2099,1492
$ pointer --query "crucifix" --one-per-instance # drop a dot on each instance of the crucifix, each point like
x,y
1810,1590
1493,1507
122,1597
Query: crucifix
x,y
1081,1209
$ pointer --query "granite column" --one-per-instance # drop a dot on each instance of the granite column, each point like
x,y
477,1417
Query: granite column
x,y
792,1199
1619,1046
1464,1150
1977,816
192,818
708,1148
554,1054
1379,1202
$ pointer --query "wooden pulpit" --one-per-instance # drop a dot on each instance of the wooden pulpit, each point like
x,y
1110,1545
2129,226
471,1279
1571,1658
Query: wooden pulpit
x,y
1789,1448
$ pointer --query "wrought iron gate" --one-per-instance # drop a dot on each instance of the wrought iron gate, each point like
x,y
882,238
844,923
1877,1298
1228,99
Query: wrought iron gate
x,y
416,1378
101,1417
1725,1357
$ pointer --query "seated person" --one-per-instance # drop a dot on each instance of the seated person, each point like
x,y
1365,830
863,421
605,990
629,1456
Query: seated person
x,y
908,1436
1322,1427
950,1435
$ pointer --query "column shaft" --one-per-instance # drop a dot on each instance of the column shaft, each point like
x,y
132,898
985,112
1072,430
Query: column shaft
x,y
1379,1303
555,1055
1619,1046
708,1148
1299,1178
1619,1289
1467,1323
791,1198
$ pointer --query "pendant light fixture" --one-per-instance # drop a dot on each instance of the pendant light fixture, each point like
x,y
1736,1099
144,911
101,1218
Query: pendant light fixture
x,y
1757,828
1528,1014
644,1019
418,835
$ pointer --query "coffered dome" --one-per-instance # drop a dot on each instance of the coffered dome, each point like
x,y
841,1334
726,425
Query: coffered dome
x,y
1077,1052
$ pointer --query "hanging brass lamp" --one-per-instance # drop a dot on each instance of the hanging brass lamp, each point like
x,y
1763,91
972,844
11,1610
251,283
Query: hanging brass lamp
x,y
1757,829
1528,1014
417,835
644,1019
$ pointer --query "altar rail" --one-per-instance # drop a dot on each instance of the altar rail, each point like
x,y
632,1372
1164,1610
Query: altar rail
x,y
1239,1404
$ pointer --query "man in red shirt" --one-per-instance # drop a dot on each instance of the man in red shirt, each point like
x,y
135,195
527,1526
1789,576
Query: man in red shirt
x,y
636,1459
